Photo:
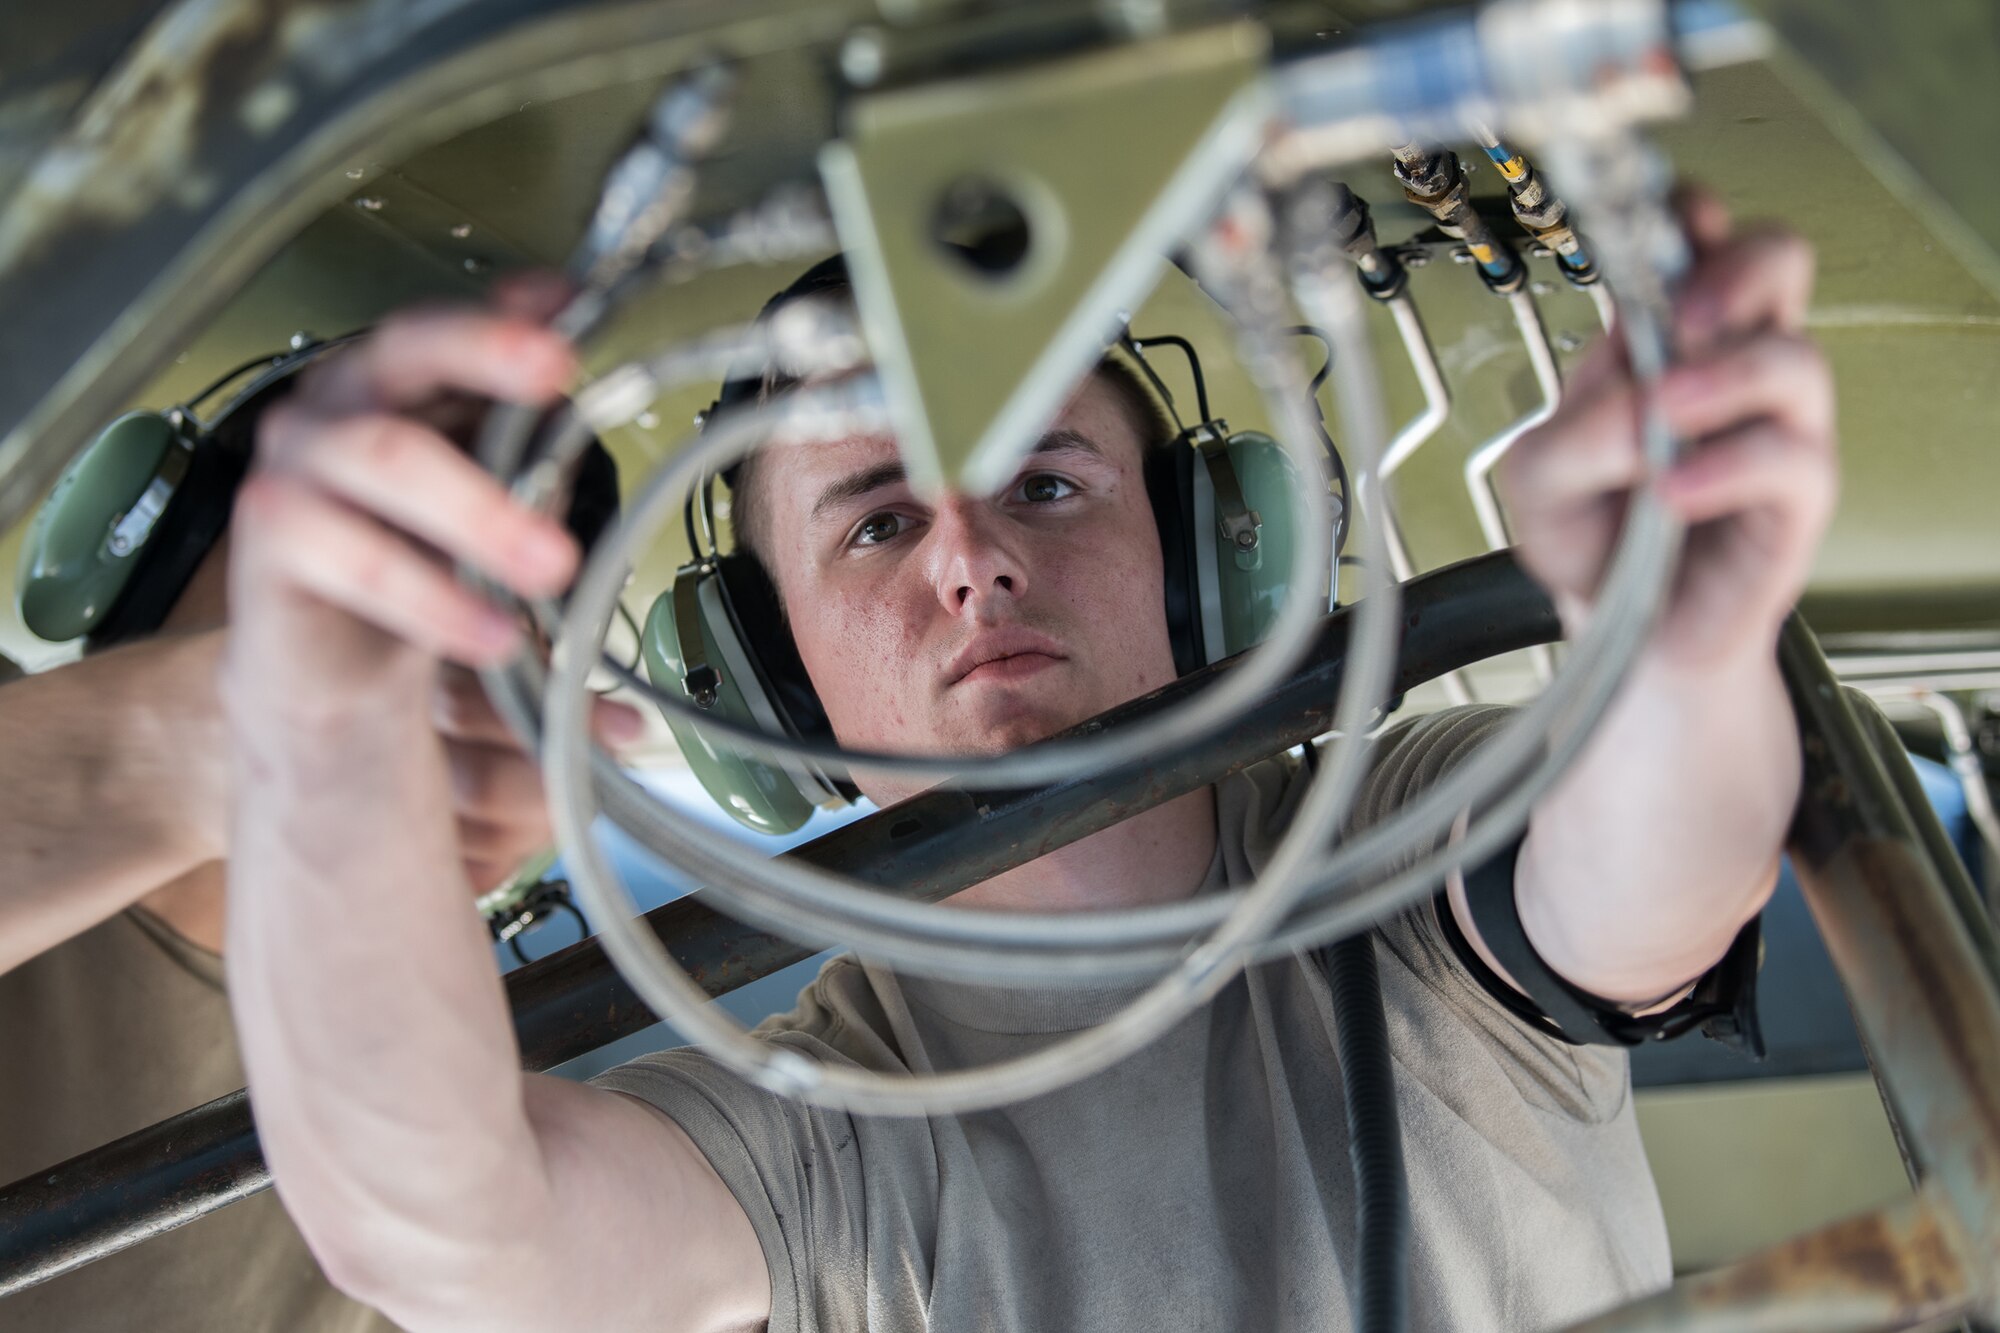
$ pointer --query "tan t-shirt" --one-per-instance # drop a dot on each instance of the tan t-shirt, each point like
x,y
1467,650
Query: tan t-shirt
x,y
122,1026
1203,1183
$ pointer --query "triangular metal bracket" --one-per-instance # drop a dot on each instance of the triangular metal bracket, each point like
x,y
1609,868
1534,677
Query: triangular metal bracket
x,y
1109,157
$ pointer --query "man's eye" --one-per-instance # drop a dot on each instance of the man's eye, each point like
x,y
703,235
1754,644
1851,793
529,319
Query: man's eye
x,y
1044,487
878,528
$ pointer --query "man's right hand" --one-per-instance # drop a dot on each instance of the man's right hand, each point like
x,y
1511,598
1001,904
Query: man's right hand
x,y
342,590
415,1156
340,587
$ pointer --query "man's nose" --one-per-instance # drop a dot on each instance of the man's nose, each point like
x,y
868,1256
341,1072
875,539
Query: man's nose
x,y
973,564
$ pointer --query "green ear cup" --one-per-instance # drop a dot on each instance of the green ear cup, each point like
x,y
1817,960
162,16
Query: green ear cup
x,y
85,542
1250,585
759,796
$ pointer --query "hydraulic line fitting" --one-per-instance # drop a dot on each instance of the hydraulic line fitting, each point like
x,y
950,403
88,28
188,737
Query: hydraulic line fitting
x,y
1540,213
1435,181
1322,213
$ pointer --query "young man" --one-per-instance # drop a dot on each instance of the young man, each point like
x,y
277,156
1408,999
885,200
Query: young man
x,y
1202,1183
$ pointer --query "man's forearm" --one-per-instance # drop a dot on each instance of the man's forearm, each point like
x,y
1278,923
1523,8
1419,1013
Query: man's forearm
x,y
1645,861
373,1024
112,772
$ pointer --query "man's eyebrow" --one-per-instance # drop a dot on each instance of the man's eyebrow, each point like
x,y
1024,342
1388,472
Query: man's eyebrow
x,y
869,479
1065,438
857,484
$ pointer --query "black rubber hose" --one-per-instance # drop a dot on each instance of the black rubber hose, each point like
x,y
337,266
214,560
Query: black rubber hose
x,y
1374,1139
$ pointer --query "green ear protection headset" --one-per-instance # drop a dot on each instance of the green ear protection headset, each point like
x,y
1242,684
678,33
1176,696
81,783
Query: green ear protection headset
x,y
113,547
1224,504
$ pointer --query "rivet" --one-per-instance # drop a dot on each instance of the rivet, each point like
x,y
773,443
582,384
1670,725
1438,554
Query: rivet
x,y
369,203
461,231
862,58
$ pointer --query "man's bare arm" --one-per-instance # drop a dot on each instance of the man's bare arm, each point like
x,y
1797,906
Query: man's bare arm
x,y
423,1168
113,768
1647,859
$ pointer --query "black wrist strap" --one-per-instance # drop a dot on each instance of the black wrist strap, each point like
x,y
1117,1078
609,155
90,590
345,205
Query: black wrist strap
x,y
1722,1003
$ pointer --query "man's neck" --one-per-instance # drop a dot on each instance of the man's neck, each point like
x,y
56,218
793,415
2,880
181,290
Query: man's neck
x,y
1160,856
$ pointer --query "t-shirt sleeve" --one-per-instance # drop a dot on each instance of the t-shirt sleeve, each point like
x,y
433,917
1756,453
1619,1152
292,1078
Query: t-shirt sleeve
x,y
1413,758
795,1169
1582,1082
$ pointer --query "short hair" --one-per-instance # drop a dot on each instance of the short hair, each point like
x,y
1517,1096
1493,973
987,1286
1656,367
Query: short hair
x,y
1142,406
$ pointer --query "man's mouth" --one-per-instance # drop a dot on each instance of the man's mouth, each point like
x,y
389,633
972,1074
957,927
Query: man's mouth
x,y
1003,656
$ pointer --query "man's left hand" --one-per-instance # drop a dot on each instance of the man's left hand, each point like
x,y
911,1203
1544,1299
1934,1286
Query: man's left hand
x,y
1754,401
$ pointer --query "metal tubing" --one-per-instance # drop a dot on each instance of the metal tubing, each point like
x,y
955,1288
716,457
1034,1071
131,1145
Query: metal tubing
x,y
1414,434
1963,758
1480,463
1916,960
1419,429
1896,1268
1930,830
930,846
1606,305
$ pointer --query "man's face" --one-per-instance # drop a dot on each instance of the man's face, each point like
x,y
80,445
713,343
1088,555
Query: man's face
x,y
972,625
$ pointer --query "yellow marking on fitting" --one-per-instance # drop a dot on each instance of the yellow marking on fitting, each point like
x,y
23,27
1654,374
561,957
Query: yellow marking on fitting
x,y
1482,253
1514,168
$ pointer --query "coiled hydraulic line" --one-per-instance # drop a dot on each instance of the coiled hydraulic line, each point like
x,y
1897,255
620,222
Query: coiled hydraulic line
x,y
1186,950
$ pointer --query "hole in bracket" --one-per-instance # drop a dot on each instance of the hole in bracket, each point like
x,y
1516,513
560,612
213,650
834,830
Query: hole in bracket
x,y
981,225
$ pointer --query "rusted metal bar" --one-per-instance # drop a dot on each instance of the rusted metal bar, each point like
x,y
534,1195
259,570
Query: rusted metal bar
x,y
1922,989
1952,871
1915,952
1896,1268
931,846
